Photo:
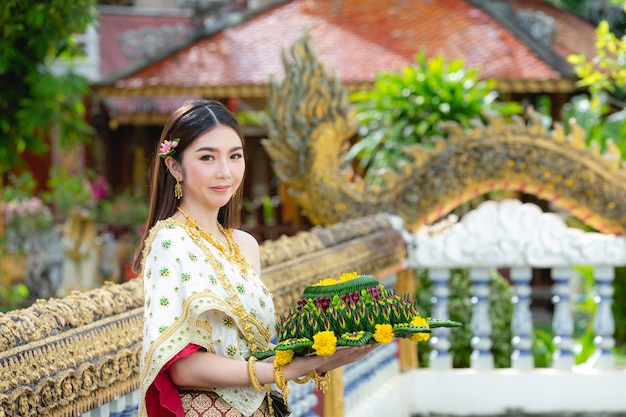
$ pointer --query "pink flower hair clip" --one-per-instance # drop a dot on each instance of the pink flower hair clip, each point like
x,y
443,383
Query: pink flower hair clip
x,y
168,147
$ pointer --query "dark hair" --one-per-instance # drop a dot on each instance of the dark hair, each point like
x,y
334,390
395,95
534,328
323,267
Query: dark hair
x,y
187,123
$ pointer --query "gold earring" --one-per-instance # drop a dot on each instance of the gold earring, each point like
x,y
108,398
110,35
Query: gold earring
x,y
178,190
234,195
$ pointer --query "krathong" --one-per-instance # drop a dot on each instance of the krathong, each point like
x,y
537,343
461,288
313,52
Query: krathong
x,y
352,310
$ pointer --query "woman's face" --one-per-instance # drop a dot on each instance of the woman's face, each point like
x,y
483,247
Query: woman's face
x,y
213,168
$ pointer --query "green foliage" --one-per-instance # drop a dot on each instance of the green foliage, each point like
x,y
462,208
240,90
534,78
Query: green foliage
x,y
34,102
13,296
543,347
460,309
68,192
619,307
584,312
606,71
19,186
406,107
598,124
126,212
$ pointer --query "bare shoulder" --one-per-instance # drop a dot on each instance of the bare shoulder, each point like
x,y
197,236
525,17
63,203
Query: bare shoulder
x,y
244,238
249,247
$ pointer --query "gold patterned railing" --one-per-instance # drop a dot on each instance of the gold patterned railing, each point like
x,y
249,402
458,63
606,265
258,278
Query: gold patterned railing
x,y
63,357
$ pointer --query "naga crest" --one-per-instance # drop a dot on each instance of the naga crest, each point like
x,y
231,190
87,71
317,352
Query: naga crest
x,y
311,123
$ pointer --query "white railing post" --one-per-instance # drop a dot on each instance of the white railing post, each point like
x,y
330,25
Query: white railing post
x,y
132,404
562,320
603,321
522,323
481,357
439,357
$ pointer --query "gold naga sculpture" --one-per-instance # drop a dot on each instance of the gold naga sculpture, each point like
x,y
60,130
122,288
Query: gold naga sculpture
x,y
311,123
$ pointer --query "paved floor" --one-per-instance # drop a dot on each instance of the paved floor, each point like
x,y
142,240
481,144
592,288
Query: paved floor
x,y
519,414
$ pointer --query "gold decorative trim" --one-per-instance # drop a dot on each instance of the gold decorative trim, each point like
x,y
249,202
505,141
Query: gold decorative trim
x,y
64,357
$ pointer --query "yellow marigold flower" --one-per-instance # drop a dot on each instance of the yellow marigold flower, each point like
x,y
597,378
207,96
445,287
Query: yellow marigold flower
x,y
419,321
326,281
418,337
383,333
284,357
347,276
325,343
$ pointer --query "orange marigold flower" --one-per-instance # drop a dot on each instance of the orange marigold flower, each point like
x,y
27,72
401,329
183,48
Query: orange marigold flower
x,y
383,333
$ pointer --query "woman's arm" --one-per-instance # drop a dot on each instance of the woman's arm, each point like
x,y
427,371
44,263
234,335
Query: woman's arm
x,y
206,370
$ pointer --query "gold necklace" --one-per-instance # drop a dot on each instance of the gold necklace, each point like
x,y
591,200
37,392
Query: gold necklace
x,y
232,252
248,322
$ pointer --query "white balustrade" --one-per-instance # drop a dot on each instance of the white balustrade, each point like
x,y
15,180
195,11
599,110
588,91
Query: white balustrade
x,y
562,319
505,234
302,399
522,323
439,357
604,323
481,357
362,378
125,406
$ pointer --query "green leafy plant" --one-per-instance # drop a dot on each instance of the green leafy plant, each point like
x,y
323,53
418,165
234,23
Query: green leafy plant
x,y
598,124
35,101
126,213
606,72
584,312
619,308
68,192
12,296
543,347
406,108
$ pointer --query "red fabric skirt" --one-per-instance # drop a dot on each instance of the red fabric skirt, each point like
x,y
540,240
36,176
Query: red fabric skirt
x,y
163,398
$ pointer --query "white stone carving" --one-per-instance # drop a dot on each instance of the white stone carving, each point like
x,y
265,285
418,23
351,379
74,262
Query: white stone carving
x,y
512,234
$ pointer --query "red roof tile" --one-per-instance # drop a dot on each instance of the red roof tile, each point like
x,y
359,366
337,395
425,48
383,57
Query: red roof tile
x,y
355,38
113,25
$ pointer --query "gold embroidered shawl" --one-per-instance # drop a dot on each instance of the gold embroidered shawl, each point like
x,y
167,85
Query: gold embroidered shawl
x,y
193,294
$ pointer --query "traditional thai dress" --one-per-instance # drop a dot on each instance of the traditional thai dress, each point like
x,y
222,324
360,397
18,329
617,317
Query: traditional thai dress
x,y
198,296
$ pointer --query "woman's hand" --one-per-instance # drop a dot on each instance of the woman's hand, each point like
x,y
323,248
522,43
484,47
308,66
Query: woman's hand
x,y
345,356
302,365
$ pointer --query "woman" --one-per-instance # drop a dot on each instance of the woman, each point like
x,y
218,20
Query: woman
x,y
206,309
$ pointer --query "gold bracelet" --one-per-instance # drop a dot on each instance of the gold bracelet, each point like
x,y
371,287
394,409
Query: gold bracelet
x,y
322,381
309,376
252,374
279,379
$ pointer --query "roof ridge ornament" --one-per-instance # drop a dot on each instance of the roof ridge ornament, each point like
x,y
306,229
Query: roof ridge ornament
x,y
540,25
